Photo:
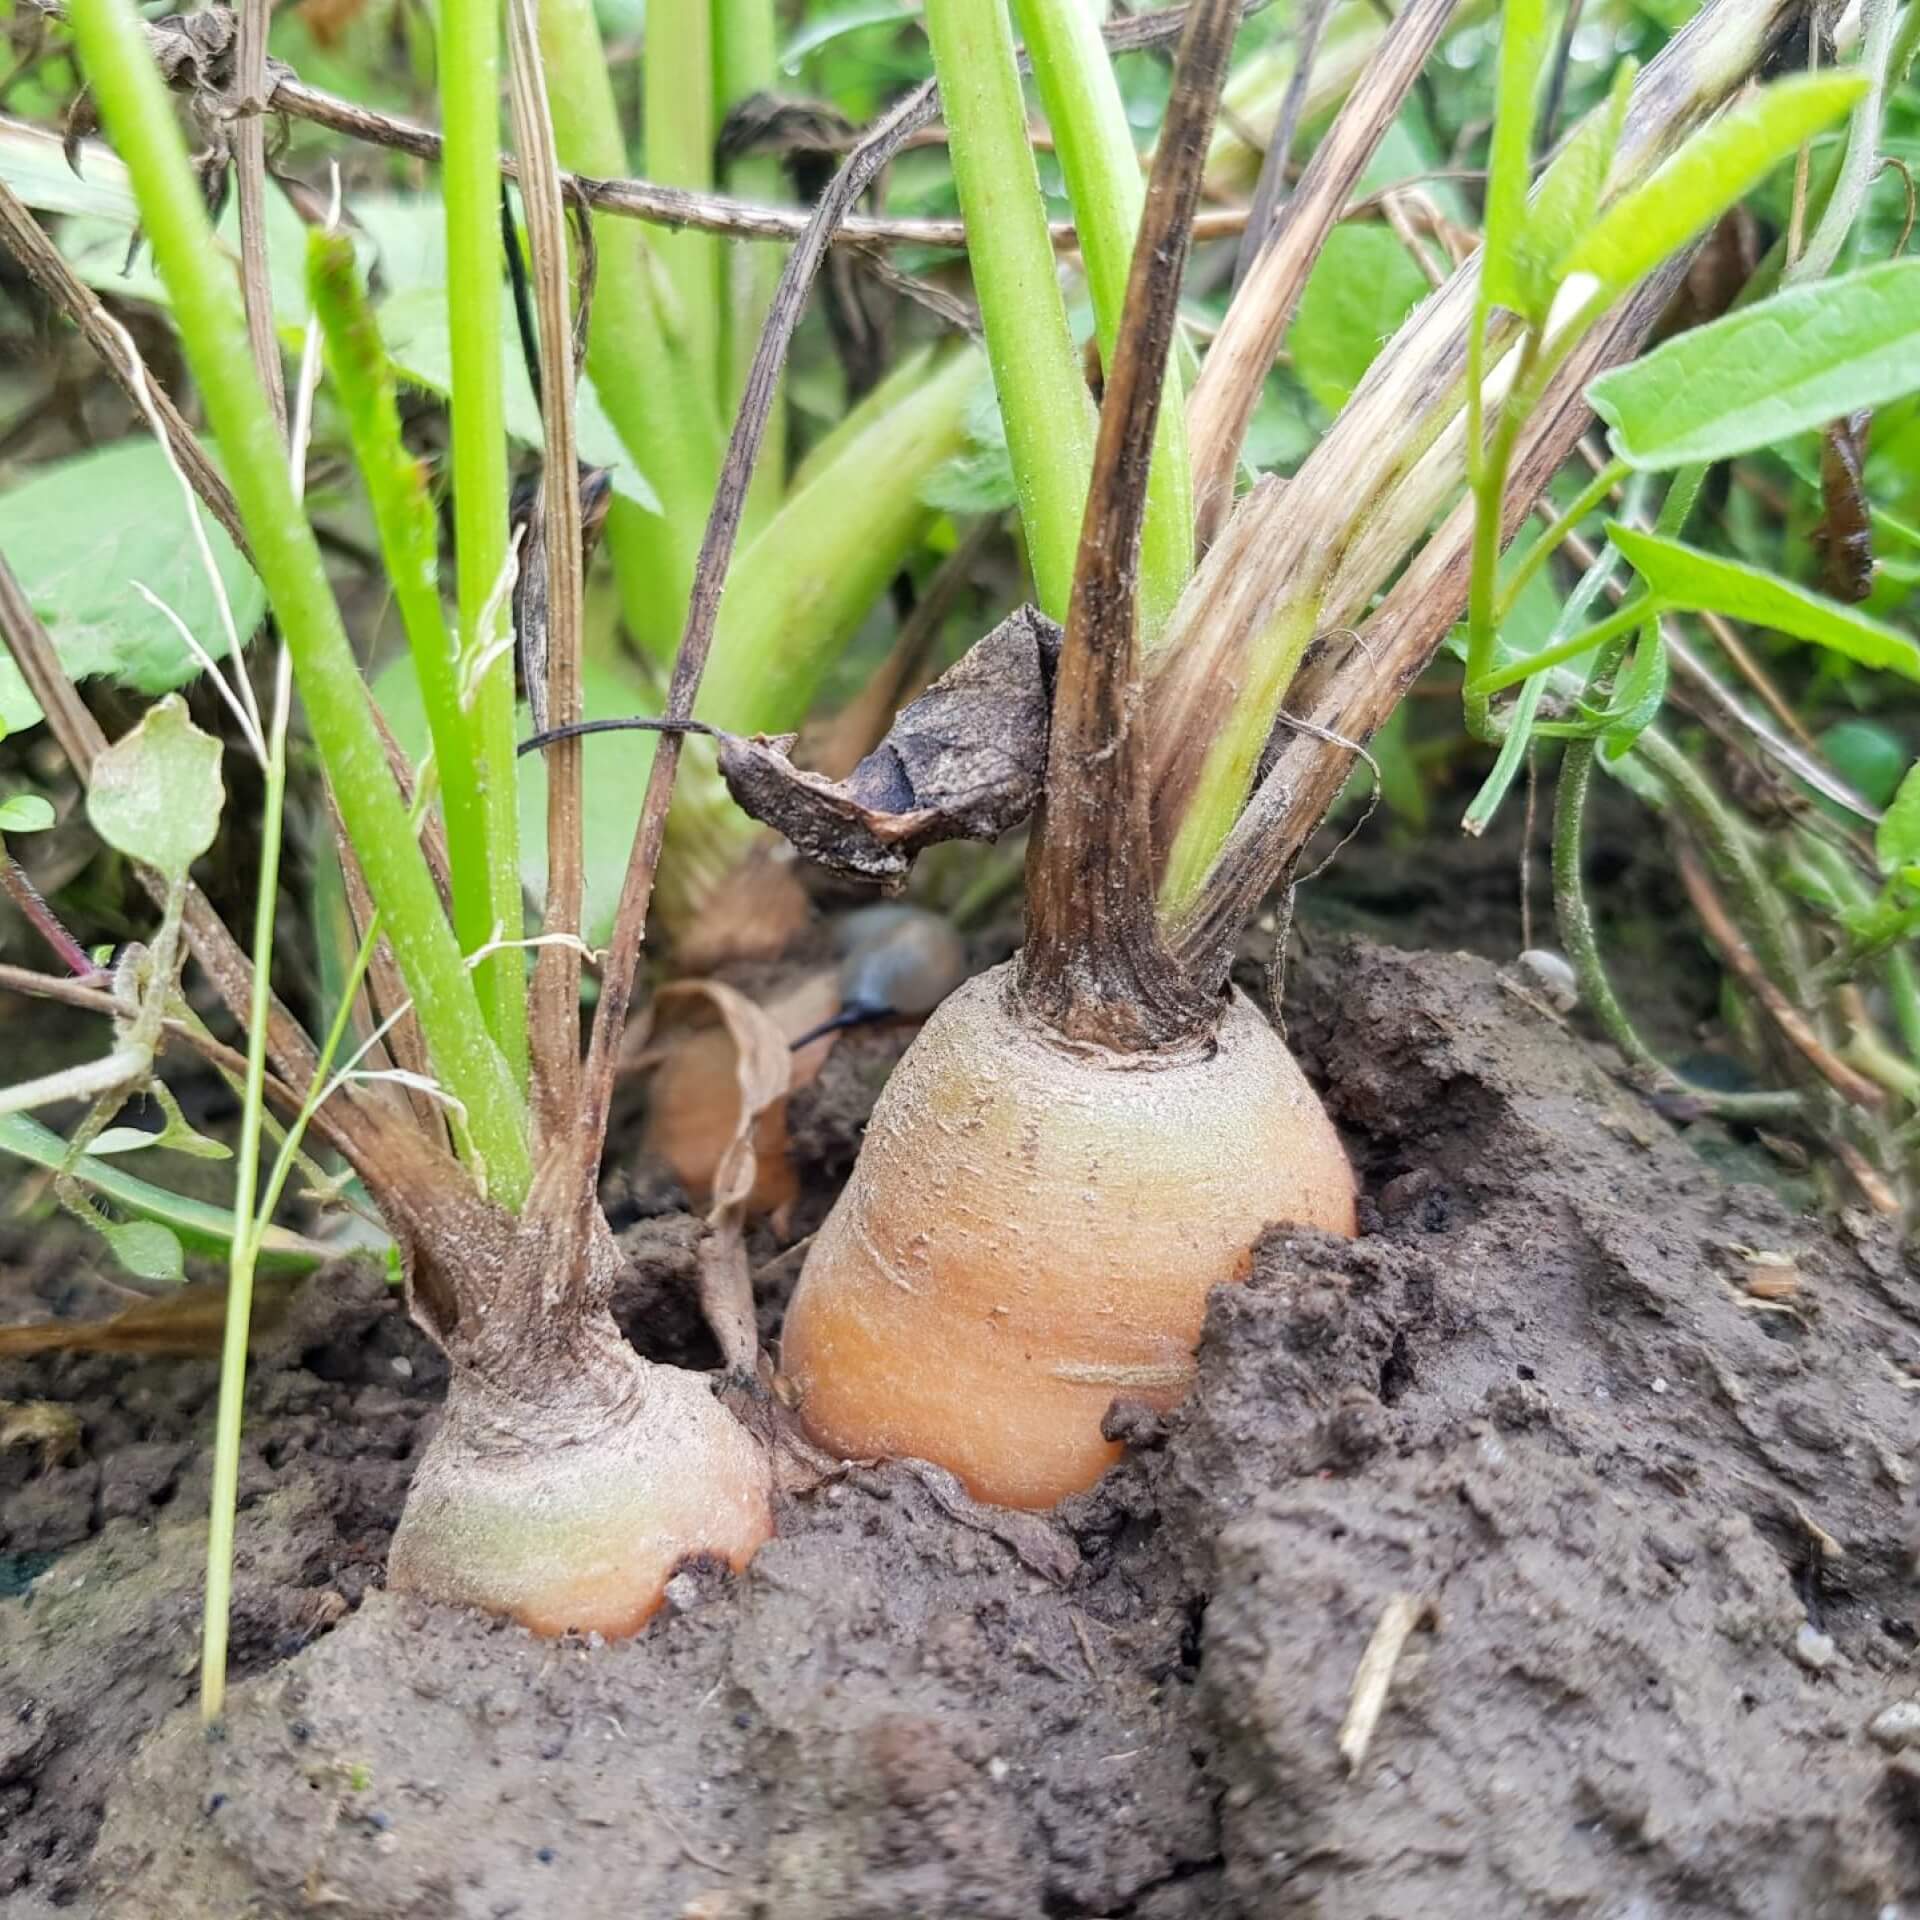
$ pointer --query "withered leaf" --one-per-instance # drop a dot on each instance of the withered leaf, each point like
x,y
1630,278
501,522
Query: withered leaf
x,y
1845,536
965,761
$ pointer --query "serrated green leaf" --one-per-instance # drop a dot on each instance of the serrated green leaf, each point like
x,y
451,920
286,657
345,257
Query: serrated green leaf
x,y
25,813
1362,286
1522,60
1683,576
1762,374
147,1250
1897,839
79,534
156,792
1719,165
1563,205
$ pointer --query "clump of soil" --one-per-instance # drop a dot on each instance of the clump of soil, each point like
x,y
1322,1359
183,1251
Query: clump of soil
x,y
1657,1528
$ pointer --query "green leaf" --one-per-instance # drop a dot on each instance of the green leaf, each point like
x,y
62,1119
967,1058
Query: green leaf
x,y
1869,757
114,1140
414,324
156,792
1505,278
99,241
79,534
1717,166
202,1229
1363,285
25,813
34,165
1762,374
147,1250
1563,205
1897,840
1683,576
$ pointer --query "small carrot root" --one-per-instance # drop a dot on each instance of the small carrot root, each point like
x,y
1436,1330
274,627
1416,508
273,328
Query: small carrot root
x,y
1032,1231
572,1518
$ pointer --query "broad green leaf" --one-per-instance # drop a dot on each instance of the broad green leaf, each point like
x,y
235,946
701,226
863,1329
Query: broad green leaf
x,y
835,21
415,326
1869,757
1683,576
1897,840
1769,371
146,1249
156,792
99,243
34,165
1562,207
1505,278
1717,166
25,813
1363,285
79,534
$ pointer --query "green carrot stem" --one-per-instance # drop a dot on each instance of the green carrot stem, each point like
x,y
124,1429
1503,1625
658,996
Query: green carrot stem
x,y
1036,373
667,420
470,184
409,535
206,301
1093,141
677,82
745,63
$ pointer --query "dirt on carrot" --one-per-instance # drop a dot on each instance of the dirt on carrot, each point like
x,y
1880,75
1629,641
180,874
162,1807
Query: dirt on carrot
x,y
1641,1535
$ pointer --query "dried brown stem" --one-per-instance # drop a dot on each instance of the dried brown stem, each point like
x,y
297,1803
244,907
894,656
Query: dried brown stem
x,y
1742,963
32,907
46,267
1356,694
1094,967
862,166
250,182
1274,162
387,990
554,1026
1311,555
1242,353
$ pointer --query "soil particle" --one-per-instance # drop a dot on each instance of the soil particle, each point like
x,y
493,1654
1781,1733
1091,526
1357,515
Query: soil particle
x,y
1534,1407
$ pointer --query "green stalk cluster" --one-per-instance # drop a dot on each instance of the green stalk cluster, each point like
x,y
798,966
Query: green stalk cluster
x,y
471,1068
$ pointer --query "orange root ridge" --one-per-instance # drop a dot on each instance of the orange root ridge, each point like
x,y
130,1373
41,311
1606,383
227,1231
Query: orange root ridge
x,y
1031,1233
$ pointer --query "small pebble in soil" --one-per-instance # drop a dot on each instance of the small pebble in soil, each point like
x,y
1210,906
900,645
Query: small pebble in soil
x,y
1813,1649
546,1856
1896,1726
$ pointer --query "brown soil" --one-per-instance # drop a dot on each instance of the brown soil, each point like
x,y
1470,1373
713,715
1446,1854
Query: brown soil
x,y
1659,1533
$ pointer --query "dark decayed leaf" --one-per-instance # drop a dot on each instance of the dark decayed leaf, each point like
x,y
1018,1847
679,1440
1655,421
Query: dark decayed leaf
x,y
1845,535
964,762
